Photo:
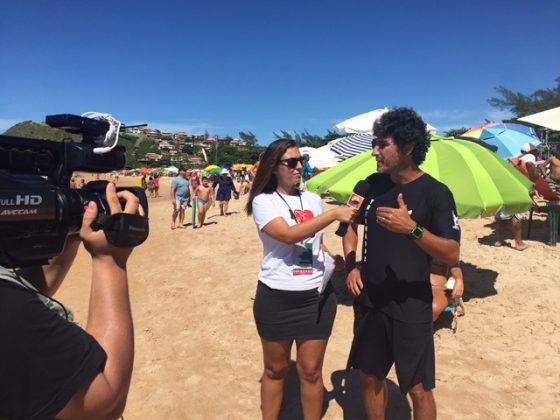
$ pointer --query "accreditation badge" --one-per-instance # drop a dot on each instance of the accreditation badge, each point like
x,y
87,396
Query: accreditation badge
x,y
304,259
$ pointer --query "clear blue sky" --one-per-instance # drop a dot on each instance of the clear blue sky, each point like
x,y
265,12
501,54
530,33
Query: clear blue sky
x,y
229,66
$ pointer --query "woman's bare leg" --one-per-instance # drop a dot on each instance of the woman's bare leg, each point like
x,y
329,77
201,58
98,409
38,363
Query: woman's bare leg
x,y
276,359
310,357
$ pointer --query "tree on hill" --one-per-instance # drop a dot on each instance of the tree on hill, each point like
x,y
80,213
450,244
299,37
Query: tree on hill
x,y
455,132
249,137
522,105
305,138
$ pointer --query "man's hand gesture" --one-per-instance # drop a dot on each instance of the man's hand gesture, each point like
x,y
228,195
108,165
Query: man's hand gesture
x,y
396,220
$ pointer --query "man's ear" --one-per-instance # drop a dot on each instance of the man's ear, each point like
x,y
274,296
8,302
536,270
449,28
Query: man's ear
x,y
408,149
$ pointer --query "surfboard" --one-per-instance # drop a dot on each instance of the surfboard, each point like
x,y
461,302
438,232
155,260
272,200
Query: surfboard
x,y
194,210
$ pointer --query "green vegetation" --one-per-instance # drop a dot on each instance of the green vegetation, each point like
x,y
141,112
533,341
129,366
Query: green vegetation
x,y
138,146
40,131
455,132
522,105
304,138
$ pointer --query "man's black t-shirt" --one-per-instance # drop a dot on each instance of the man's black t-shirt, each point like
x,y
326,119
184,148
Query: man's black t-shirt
x,y
395,270
44,359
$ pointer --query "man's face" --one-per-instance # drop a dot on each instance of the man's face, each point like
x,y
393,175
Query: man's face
x,y
387,155
182,174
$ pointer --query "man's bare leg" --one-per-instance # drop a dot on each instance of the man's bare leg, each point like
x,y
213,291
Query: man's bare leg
x,y
174,218
375,396
500,232
518,234
181,217
423,403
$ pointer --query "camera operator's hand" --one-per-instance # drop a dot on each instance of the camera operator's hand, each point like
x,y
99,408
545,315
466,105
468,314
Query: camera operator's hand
x,y
95,241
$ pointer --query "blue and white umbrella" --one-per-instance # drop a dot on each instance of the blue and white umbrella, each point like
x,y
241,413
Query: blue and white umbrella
x,y
353,145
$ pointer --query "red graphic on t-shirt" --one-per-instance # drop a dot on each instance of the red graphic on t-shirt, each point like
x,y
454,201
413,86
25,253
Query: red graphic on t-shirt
x,y
304,216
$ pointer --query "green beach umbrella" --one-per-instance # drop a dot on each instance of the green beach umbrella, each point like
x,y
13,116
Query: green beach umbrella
x,y
481,181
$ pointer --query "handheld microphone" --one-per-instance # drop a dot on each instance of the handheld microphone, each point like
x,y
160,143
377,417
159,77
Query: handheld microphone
x,y
356,200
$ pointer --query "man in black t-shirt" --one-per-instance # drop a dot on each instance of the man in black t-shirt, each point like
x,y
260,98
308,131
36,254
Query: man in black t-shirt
x,y
49,366
409,218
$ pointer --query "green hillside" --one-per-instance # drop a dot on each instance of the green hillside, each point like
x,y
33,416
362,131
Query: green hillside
x,y
136,147
39,131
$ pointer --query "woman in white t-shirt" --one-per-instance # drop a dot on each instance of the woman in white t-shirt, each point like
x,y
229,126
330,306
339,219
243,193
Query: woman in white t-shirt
x,y
288,304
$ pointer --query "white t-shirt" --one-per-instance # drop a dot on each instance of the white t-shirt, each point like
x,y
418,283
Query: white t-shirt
x,y
528,158
289,267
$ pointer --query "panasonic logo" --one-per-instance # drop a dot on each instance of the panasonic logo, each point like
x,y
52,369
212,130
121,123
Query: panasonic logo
x,y
135,229
18,212
22,200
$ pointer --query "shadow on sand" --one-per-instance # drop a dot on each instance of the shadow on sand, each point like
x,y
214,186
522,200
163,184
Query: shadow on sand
x,y
347,393
540,232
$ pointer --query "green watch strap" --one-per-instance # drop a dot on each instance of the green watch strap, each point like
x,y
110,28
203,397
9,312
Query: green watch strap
x,y
416,232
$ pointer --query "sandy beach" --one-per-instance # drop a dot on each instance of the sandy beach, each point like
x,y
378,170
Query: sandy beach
x,y
198,355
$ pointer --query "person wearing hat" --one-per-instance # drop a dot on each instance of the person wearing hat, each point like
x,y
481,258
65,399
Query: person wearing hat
x,y
528,153
225,187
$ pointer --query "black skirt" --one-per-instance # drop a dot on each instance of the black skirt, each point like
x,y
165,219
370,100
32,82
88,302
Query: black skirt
x,y
294,315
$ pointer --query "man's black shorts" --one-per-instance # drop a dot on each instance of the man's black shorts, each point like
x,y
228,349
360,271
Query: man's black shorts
x,y
380,341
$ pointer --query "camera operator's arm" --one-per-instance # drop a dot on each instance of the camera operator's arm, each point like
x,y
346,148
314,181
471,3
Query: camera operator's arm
x,y
109,318
47,279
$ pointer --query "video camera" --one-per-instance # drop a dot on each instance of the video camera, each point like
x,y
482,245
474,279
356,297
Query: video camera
x,y
38,209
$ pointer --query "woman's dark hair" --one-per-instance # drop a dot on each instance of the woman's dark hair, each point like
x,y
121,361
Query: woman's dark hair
x,y
265,180
406,127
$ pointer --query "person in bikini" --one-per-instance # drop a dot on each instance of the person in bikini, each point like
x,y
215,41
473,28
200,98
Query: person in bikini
x,y
204,194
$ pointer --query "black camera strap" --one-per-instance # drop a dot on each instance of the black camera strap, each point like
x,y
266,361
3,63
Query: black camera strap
x,y
123,230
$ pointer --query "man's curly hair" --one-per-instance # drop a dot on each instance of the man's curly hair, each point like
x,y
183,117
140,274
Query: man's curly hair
x,y
406,127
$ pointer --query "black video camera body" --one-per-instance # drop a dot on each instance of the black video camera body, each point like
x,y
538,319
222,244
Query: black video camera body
x,y
38,209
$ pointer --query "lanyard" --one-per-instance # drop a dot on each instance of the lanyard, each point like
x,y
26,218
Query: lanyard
x,y
292,215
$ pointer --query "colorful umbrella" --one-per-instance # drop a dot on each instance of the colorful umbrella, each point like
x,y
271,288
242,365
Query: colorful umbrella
x,y
480,180
508,138
210,167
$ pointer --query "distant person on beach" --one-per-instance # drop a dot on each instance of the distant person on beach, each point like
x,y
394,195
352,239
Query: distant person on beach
x,y
288,306
156,185
552,164
204,195
50,366
442,296
225,188
143,182
151,186
180,194
245,185
409,218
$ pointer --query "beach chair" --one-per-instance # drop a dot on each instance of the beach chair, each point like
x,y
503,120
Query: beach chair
x,y
553,215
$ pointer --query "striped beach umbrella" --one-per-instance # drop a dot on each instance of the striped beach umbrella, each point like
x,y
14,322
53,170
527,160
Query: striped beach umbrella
x,y
481,182
353,145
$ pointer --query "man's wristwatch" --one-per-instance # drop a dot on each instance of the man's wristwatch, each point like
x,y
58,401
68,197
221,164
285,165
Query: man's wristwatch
x,y
416,232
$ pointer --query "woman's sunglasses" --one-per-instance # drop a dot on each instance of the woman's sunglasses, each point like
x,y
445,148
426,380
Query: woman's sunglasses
x,y
291,163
